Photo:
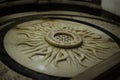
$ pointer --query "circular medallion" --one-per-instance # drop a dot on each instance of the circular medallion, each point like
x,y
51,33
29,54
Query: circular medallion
x,y
63,38
57,47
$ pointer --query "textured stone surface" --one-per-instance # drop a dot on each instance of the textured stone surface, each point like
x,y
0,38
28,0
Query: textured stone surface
x,y
32,36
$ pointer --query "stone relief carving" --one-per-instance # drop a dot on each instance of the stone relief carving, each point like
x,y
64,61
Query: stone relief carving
x,y
59,42
50,41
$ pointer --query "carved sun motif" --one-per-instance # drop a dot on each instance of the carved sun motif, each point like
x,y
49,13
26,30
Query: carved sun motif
x,y
57,43
51,42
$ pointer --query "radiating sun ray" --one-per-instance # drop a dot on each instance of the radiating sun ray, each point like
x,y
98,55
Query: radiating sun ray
x,y
90,44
